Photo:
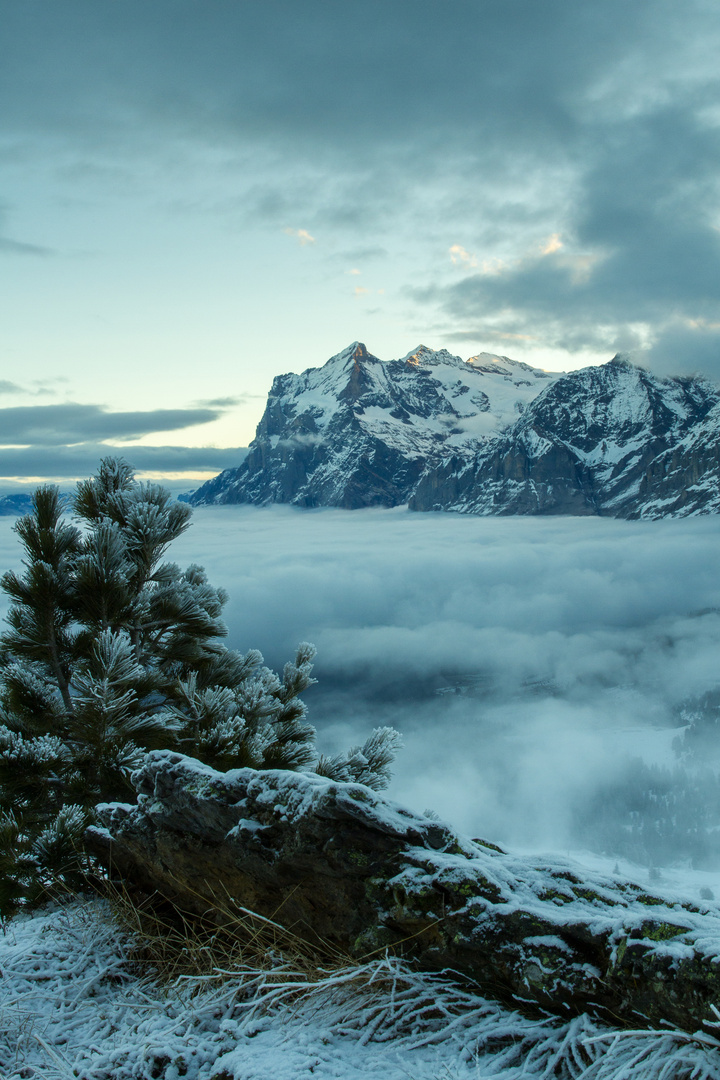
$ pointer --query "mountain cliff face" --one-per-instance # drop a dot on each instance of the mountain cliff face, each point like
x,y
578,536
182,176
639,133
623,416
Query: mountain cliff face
x,y
685,479
361,432
484,436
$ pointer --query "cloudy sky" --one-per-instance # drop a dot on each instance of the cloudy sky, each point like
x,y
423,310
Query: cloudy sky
x,y
195,197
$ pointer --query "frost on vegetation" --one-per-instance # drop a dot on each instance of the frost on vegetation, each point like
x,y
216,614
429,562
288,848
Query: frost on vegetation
x,y
368,764
74,1005
112,652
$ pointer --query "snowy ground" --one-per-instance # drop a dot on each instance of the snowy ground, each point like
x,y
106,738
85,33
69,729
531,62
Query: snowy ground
x,y
71,1006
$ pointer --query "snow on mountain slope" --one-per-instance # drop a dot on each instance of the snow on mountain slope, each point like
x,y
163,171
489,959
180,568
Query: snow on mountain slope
x,y
685,479
591,443
359,432
486,436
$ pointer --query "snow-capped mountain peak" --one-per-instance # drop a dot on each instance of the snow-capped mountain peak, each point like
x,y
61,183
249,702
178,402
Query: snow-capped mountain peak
x,y
422,356
357,413
596,441
486,435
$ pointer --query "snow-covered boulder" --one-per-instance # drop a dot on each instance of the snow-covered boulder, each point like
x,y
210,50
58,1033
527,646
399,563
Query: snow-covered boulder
x,y
340,865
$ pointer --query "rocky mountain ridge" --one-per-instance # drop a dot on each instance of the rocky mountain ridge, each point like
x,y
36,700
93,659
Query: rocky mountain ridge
x,y
489,435
612,440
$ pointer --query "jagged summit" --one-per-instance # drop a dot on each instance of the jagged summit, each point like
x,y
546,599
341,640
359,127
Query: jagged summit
x,y
487,435
353,356
425,357
624,359
359,431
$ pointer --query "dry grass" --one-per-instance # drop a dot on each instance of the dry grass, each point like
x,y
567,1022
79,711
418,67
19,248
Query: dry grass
x,y
230,941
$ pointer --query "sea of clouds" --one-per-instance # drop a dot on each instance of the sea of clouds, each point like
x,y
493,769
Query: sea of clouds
x,y
524,660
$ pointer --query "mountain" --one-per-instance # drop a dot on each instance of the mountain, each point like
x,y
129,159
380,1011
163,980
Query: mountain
x,y
360,432
15,505
613,440
684,479
488,435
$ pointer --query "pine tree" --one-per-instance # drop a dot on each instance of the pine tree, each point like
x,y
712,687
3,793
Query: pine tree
x,y
112,651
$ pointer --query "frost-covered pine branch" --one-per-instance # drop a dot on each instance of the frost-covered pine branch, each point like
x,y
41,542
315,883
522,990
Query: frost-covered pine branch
x,y
112,651
367,764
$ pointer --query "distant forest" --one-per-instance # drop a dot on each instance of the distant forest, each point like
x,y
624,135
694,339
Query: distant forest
x,y
656,816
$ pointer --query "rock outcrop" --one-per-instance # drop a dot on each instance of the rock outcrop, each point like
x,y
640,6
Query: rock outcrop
x,y
339,864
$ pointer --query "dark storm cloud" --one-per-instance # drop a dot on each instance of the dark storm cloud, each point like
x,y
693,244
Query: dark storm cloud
x,y
72,461
494,120
643,249
316,69
51,425
402,79
688,350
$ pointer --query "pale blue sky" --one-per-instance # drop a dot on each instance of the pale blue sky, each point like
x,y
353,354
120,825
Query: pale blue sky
x,y
195,197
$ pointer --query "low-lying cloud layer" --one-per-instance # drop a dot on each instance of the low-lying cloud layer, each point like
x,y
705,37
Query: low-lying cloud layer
x,y
67,439
67,462
526,661
72,422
